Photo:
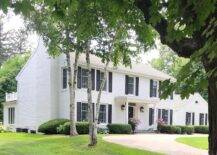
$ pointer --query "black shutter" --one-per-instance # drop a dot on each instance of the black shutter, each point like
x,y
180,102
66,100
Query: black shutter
x,y
97,80
193,118
206,119
137,86
151,116
126,84
79,78
159,113
109,113
171,117
93,78
151,88
93,111
159,89
171,96
78,111
110,81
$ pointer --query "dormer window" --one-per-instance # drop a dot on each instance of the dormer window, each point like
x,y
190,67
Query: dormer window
x,y
153,88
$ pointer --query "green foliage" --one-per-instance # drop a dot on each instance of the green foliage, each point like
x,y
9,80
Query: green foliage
x,y
119,128
201,129
81,127
169,129
50,127
191,76
187,129
8,72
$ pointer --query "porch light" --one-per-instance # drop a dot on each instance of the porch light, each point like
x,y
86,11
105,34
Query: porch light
x,y
122,107
141,109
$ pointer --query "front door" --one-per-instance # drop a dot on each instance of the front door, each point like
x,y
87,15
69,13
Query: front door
x,y
130,112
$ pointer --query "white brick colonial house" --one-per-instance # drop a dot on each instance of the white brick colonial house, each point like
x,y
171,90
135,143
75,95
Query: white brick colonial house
x,y
42,95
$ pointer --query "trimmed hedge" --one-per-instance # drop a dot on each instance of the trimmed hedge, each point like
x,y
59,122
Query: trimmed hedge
x,y
50,127
187,129
201,129
169,129
119,128
82,128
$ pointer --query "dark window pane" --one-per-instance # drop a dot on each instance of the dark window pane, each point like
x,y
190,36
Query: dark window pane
x,y
84,78
165,116
130,85
84,112
102,114
188,118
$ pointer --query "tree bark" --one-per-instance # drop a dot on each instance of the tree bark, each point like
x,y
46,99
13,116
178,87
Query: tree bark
x,y
99,98
92,135
71,84
212,107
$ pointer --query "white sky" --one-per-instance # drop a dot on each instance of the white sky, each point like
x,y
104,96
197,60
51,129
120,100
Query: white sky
x,y
14,22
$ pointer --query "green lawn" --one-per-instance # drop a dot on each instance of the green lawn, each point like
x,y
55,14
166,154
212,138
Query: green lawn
x,y
33,144
198,142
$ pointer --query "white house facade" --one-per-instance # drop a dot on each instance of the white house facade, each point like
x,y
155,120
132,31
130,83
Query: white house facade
x,y
42,95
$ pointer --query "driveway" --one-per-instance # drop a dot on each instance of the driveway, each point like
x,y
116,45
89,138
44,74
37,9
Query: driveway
x,y
162,143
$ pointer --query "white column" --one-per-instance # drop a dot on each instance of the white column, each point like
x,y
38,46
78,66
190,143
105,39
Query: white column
x,y
126,112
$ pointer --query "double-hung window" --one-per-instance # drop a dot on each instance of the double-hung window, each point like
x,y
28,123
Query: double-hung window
x,y
153,88
102,74
102,114
165,115
188,118
130,86
84,78
84,112
201,119
11,115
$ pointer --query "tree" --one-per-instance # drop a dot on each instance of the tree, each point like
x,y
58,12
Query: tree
x,y
189,29
171,64
11,42
8,72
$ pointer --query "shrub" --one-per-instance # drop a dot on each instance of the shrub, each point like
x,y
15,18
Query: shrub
x,y
134,123
201,129
187,129
2,129
169,129
102,130
119,128
50,127
82,128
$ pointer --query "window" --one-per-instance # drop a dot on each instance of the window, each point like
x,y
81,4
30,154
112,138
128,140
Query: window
x,y
84,112
130,85
201,119
102,74
188,118
151,116
64,78
102,114
153,88
11,115
84,78
165,115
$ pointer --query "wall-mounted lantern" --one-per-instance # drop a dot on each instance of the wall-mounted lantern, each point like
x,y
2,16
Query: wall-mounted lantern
x,y
122,107
141,109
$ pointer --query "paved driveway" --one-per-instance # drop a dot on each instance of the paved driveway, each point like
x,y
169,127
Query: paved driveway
x,y
162,143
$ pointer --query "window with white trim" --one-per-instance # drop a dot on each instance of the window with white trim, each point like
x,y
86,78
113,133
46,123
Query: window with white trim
x,y
11,115
102,114
131,85
84,78
102,74
84,112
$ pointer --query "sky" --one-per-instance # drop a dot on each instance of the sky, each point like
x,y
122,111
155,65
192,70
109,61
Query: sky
x,y
15,22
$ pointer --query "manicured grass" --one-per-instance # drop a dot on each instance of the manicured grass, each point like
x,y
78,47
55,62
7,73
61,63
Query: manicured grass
x,y
33,144
198,142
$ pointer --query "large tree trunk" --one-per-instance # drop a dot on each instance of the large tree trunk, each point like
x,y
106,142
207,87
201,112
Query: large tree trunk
x,y
99,98
92,135
71,84
212,107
